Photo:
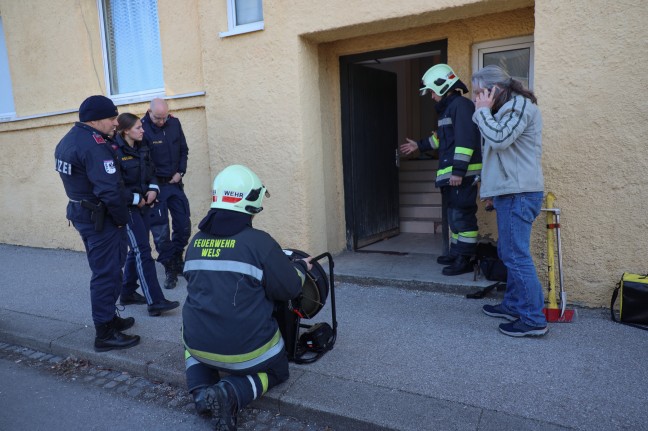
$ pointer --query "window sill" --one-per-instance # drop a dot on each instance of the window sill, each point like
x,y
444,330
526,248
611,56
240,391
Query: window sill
x,y
241,29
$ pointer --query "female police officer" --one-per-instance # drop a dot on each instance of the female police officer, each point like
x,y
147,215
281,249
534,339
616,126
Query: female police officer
x,y
139,179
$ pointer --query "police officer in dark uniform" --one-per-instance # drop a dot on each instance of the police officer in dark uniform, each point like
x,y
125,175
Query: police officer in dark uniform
x,y
139,180
234,274
85,160
164,135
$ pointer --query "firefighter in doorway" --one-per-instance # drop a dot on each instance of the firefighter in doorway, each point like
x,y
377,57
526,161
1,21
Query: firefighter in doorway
x,y
460,162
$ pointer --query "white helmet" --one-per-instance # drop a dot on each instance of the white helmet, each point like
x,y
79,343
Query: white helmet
x,y
438,78
237,188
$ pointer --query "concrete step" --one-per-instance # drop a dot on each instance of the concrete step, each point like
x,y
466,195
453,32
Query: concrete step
x,y
432,198
419,165
420,211
420,225
426,175
418,187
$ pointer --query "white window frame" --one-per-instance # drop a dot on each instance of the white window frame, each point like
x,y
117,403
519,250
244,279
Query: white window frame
x,y
7,85
234,29
479,49
124,98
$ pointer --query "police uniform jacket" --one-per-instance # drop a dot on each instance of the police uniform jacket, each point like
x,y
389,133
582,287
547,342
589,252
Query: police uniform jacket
x,y
232,284
458,139
168,146
86,161
138,170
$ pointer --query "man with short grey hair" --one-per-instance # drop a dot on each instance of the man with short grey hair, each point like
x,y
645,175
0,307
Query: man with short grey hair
x,y
164,136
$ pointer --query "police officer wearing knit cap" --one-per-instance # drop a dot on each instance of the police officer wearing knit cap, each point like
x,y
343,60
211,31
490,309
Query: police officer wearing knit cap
x,y
97,207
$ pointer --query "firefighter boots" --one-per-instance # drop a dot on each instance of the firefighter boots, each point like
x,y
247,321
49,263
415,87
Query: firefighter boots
x,y
461,265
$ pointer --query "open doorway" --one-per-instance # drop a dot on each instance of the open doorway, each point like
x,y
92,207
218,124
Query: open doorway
x,y
391,204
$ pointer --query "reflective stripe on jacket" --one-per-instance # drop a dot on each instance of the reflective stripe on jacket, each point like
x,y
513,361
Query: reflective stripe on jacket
x,y
459,143
232,285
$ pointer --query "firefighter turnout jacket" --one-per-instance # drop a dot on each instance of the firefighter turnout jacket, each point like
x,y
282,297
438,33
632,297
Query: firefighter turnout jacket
x,y
459,147
233,282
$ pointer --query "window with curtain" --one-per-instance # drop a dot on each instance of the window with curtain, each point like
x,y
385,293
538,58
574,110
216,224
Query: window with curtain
x,y
513,55
7,110
243,16
132,46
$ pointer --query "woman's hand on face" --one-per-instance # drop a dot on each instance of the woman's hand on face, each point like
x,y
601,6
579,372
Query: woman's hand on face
x,y
485,99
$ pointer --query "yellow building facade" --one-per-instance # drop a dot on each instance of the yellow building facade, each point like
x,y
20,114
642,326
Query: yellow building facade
x,y
280,100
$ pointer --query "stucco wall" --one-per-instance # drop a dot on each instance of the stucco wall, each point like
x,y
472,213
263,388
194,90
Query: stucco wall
x,y
272,102
54,50
461,35
273,96
591,61
56,61
32,197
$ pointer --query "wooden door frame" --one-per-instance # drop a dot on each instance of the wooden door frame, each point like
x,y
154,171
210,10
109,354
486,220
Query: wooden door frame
x,y
345,94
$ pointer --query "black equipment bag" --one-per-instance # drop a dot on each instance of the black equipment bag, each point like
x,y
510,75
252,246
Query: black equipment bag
x,y
632,291
491,266
489,262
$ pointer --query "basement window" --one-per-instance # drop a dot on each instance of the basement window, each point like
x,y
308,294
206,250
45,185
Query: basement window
x,y
243,16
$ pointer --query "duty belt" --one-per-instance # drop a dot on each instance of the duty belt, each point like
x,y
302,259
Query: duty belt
x,y
164,180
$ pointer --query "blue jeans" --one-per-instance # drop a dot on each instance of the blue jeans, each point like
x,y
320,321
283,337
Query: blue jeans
x,y
515,216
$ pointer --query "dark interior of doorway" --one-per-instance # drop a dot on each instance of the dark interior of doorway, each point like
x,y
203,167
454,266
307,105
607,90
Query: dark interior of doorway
x,y
420,223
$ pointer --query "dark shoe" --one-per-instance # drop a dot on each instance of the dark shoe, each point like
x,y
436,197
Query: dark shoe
x,y
171,272
461,265
445,259
133,298
179,265
108,338
122,324
157,308
200,402
498,311
171,280
222,400
521,329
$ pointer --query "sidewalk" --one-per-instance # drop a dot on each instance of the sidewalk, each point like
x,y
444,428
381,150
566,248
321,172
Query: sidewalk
x,y
409,355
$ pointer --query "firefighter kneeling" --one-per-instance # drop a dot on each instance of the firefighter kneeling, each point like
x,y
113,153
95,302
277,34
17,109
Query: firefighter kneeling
x,y
234,274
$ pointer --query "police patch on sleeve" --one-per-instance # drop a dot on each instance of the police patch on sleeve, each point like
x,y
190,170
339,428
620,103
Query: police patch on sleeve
x,y
109,166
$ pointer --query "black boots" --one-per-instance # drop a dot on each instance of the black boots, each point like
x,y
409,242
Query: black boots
x,y
460,265
122,324
157,308
221,398
171,280
109,337
172,269
133,298
200,401
444,259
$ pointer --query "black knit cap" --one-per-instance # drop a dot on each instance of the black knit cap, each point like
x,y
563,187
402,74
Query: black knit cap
x,y
97,108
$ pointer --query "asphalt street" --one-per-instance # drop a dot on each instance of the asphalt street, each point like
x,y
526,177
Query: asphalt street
x,y
411,353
